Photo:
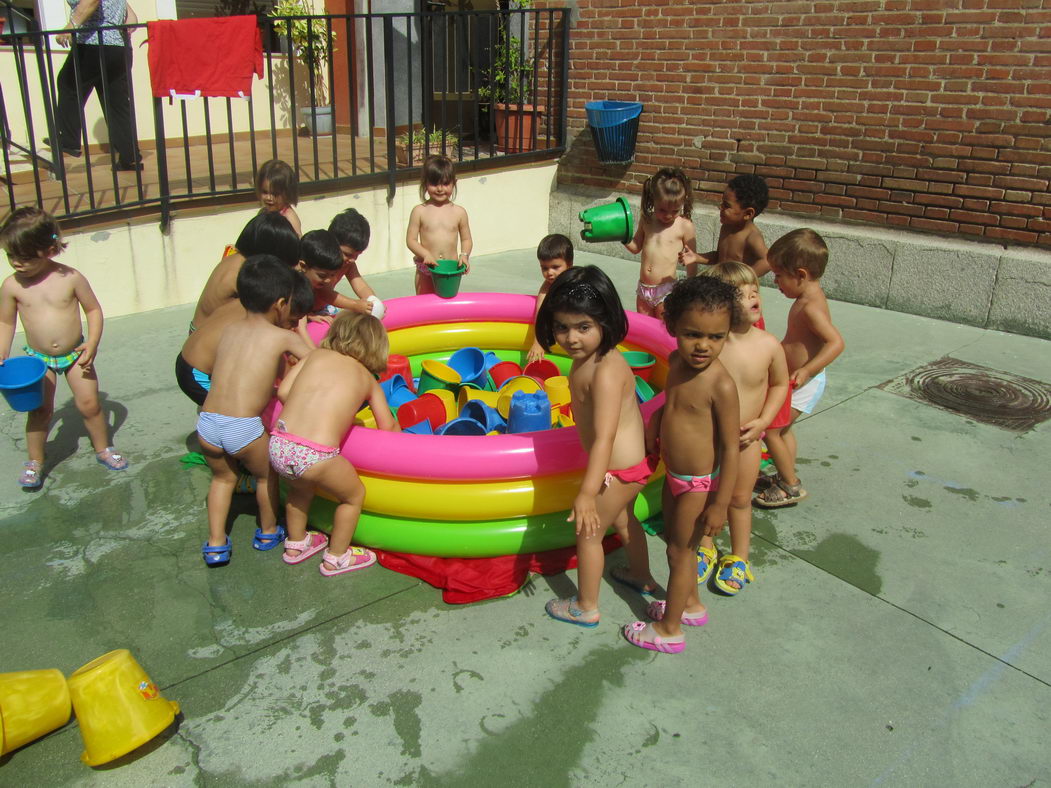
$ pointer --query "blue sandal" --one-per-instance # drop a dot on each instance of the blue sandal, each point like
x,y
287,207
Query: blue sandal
x,y
217,555
264,541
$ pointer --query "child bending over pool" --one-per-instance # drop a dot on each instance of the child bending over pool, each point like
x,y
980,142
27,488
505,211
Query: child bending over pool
x,y
48,297
582,312
698,430
247,360
320,398
665,236
437,227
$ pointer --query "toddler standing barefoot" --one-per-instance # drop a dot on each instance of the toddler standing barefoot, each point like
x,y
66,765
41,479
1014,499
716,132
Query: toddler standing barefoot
x,y
437,227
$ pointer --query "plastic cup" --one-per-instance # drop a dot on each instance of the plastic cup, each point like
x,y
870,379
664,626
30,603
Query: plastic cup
x,y
118,707
398,365
447,285
610,222
557,389
32,703
521,383
643,390
541,369
397,391
529,412
436,375
446,265
467,395
426,406
448,400
503,371
421,428
462,426
485,415
22,382
469,362
641,362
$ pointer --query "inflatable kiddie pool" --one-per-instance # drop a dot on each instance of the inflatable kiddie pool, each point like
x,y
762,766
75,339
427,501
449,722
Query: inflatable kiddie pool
x,y
475,496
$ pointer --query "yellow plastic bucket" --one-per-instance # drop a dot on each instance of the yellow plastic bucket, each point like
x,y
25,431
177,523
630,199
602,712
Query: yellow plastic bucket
x,y
436,375
32,703
490,398
118,707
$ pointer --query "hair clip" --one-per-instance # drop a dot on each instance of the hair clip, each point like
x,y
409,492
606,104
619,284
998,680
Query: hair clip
x,y
54,236
583,290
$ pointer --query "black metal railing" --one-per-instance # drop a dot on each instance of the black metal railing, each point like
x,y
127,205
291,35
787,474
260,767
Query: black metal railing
x,y
485,88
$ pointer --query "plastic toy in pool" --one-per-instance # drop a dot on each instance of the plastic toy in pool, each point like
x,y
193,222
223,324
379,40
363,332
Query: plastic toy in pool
x,y
459,495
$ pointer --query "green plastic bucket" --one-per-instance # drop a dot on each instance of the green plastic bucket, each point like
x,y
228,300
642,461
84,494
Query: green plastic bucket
x,y
610,222
446,285
446,266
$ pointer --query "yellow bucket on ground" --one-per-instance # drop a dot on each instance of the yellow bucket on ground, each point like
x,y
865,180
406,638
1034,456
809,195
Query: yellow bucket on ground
x,y
118,707
32,704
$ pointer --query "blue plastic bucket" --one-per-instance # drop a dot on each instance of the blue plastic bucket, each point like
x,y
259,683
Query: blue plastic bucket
x,y
397,391
22,382
461,426
529,412
614,129
485,415
470,363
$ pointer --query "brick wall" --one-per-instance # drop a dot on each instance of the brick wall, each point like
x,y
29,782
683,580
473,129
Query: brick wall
x,y
930,115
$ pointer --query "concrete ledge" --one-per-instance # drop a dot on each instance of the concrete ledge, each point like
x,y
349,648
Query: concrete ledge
x,y
977,284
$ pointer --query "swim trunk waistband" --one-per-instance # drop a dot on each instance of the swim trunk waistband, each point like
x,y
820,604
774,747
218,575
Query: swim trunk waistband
x,y
56,363
679,483
636,474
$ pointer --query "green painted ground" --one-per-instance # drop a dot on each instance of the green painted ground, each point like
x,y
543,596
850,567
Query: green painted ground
x,y
898,632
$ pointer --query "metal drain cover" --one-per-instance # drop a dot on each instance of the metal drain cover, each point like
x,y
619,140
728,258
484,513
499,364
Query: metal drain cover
x,y
980,393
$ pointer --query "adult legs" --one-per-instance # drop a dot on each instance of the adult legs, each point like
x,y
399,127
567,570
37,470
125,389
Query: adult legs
x,y
116,105
79,75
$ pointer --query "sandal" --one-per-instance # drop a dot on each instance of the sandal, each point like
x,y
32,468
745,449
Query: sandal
x,y
621,575
312,544
217,555
265,541
112,460
780,493
641,634
567,610
706,558
655,610
762,482
733,568
354,558
31,476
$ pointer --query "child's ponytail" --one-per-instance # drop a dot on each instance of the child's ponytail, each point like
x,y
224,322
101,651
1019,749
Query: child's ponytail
x,y
671,184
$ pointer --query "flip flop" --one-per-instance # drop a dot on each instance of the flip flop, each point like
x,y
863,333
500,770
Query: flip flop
x,y
655,610
264,541
217,555
312,544
567,610
620,574
706,558
111,459
641,634
354,558
733,567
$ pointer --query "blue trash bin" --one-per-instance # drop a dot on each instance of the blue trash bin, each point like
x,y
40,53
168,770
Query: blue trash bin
x,y
614,129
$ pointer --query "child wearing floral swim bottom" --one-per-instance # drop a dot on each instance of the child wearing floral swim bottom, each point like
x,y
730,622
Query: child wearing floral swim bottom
x,y
320,397
698,429
48,297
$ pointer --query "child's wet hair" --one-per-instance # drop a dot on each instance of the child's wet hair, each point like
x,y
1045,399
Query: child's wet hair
x,y
750,191
320,249
802,248
669,184
30,232
359,336
703,293
280,178
351,229
583,290
737,275
553,247
269,233
263,280
436,170
302,299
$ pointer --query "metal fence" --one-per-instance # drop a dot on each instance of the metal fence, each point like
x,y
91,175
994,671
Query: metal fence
x,y
485,88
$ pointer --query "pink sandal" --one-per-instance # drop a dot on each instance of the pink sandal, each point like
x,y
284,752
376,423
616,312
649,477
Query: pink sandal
x,y
641,634
354,558
655,610
313,544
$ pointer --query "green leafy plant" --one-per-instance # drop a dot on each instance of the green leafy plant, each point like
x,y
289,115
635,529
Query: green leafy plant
x,y
421,139
509,79
311,39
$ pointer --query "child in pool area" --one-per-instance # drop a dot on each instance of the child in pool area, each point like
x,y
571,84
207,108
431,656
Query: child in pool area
x,y
744,198
277,187
48,297
265,233
194,364
665,234
320,398
582,312
698,431
437,227
247,360
811,343
555,254
352,232
756,363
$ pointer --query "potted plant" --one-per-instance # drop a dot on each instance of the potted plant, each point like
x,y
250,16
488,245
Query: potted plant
x,y
424,143
509,86
312,44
